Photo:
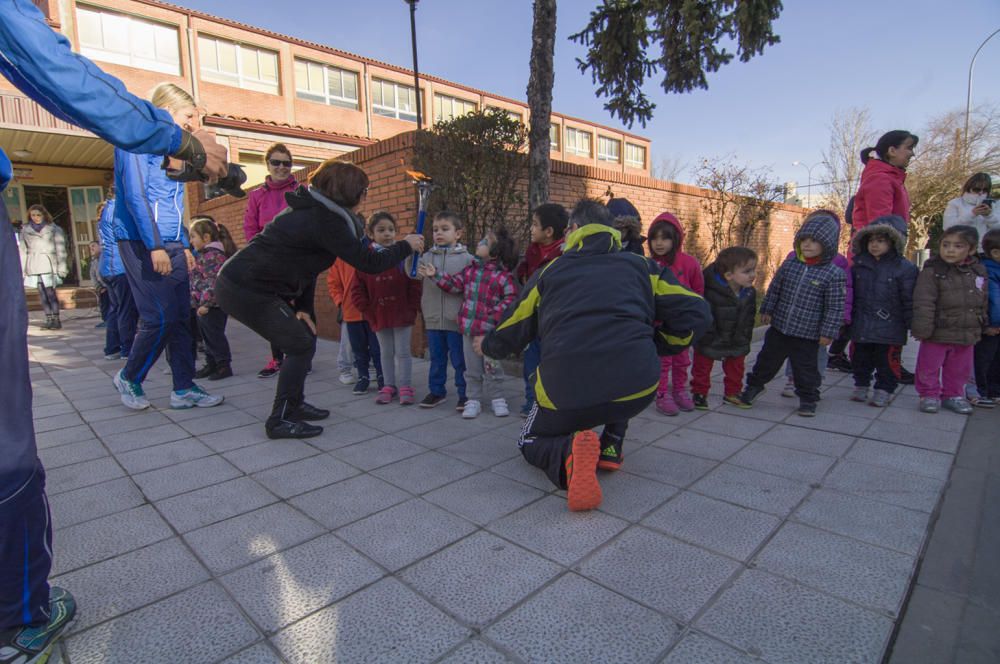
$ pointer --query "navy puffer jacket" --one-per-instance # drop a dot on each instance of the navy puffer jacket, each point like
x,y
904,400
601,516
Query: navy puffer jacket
x,y
883,288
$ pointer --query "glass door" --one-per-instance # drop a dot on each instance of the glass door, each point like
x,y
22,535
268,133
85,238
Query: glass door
x,y
83,203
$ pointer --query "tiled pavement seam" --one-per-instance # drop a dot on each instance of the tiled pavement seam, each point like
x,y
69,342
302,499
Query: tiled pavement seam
x,y
669,478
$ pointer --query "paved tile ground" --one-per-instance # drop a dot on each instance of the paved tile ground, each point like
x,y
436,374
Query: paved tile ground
x,y
405,534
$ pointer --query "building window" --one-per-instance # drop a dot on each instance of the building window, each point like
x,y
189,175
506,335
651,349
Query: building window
x,y
448,108
393,100
609,149
513,115
554,136
326,84
578,142
635,155
129,41
239,65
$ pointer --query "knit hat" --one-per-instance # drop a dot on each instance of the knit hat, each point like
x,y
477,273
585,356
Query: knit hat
x,y
622,207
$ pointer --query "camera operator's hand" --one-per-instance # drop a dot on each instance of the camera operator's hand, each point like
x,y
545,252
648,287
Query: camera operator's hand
x,y
215,154
416,243
161,262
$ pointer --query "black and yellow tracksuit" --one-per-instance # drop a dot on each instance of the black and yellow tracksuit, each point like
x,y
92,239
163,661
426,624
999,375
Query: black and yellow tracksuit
x,y
603,316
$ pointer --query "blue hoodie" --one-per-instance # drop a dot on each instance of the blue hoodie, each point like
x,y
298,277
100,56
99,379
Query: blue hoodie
x,y
993,269
111,260
149,205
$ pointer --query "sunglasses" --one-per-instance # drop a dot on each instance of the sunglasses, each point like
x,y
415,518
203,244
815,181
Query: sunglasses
x,y
979,191
280,162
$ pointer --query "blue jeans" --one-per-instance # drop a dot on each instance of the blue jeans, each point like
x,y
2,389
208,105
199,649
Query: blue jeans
x,y
532,356
444,345
364,345
122,316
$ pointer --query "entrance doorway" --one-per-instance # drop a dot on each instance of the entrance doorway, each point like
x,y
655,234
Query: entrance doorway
x,y
74,209
56,201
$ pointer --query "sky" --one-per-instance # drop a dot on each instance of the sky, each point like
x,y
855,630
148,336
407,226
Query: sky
x,y
907,61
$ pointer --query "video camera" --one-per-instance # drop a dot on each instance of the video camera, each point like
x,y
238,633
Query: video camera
x,y
231,184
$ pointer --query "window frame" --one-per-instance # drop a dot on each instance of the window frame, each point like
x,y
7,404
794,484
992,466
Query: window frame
x,y
326,97
632,163
571,146
240,79
160,62
557,144
392,111
608,157
438,106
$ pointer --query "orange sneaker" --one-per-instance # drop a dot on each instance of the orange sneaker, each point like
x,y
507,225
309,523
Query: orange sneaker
x,y
583,490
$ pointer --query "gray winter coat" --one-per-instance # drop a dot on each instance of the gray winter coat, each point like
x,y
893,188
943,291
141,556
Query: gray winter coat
x,y
43,255
440,309
883,288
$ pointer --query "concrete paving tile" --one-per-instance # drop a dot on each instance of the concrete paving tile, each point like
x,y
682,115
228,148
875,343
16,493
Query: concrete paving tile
x,y
39,412
73,507
183,477
915,434
865,520
696,648
789,624
902,457
235,438
784,461
484,450
930,629
830,422
355,498
846,568
662,573
287,586
258,654
405,533
143,420
807,440
122,584
218,502
837,401
72,453
58,422
198,625
112,411
547,527
243,539
722,527
425,472
394,418
885,485
908,414
483,497
476,652
666,466
985,581
57,437
106,537
378,624
166,454
377,452
536,631
731,425
480,577
128,441
701,443
78,475
344,434
520,470
305,475
647,429
631,497
218,422
759,491
435,434
255,458
951,552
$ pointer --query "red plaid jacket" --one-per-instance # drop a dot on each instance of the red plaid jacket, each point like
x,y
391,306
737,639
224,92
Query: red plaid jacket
x,y
487,289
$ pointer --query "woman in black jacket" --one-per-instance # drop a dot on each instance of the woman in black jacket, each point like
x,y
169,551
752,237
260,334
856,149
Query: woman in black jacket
x,y
270,284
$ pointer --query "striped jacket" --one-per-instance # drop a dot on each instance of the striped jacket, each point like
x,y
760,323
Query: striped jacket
x,y
487,288
595,310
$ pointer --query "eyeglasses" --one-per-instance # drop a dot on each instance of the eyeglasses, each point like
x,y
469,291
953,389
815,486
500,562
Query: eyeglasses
x,y
280,162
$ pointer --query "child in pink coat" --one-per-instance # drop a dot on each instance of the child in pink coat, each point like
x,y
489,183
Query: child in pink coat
x,y
666,239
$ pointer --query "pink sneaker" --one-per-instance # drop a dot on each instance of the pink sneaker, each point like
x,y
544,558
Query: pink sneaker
x,y
665,404
683,400
385,394
406,396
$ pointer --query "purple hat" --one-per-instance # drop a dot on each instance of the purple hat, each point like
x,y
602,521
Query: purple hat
x,y
622,207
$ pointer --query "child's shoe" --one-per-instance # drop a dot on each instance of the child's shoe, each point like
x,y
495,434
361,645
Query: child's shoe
x,y
957,405
361,387
500,408
880,399
206,370
471,409
683,400
346,377
271,369
860,394
734,400
407,397
789,390
984,402
749,395
385,395
807,409
193,397
929,405
33,645
665,404
460,404
431,400
583,491
132,395
839,362
700,401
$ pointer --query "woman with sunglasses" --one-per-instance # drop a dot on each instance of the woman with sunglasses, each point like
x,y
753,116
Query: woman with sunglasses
x,y
971,208
263,203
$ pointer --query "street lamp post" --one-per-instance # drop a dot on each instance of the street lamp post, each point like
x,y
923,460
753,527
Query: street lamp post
x,y
809,171
968,97
416,70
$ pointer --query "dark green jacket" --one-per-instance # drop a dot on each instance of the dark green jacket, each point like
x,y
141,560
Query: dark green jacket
x,y
602,316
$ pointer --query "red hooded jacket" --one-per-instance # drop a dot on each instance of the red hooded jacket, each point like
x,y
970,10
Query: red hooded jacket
x,y
882,191
685,267
387,299
536,256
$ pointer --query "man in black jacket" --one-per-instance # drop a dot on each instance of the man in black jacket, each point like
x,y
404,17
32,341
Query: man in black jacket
x,y
603,316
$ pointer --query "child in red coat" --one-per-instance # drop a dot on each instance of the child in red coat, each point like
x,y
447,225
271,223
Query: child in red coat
x,y
389,302
666,238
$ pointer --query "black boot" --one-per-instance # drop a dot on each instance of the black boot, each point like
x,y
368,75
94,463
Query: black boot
x,y
223,370
309,413
47,325
56,324
210,368
290,429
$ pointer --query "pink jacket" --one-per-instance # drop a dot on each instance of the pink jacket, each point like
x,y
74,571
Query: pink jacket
x,y
263,203
882,191
685,267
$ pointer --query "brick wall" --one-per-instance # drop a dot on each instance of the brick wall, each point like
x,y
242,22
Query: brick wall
x,y
386,162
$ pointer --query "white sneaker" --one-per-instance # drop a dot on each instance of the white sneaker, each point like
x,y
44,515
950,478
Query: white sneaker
x,y
194,396
132,395
500,408
472,409
789,390
347,378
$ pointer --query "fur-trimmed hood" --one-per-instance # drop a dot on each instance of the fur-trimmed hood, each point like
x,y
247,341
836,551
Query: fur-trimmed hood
x,y
890,224
630,228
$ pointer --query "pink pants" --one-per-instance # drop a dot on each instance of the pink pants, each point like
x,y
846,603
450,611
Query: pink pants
x,y
674,372
942,370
